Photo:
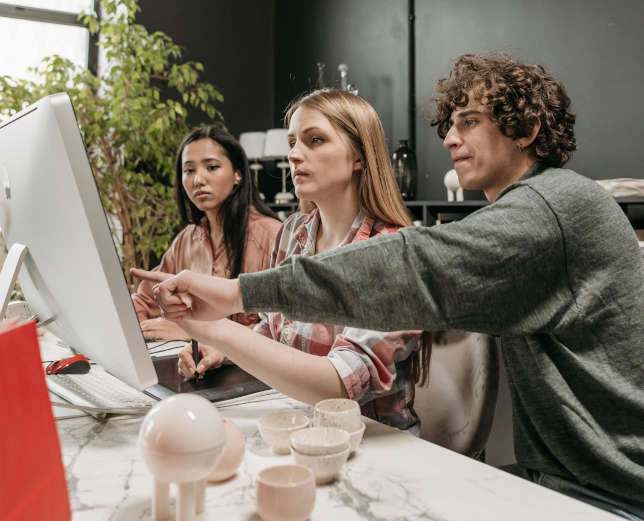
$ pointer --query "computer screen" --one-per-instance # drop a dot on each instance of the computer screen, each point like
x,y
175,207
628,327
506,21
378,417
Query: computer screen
x,y
72,272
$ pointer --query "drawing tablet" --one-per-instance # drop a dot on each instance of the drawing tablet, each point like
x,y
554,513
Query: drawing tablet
x,y
224,383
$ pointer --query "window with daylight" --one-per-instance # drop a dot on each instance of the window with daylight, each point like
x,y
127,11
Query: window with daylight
x,y
31,30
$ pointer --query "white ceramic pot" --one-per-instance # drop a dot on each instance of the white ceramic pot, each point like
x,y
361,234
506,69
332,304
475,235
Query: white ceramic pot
x,y
276,429
338,412
325,468
320,441
355,438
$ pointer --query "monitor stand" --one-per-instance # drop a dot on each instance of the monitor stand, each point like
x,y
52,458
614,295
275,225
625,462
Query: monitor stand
x,y
9,274
8,277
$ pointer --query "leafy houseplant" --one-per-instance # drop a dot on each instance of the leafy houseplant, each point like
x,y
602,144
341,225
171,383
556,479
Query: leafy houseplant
x,y
130,132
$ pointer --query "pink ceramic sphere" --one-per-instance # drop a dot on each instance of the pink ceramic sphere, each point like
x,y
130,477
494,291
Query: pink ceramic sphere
x,y
182,439
233,453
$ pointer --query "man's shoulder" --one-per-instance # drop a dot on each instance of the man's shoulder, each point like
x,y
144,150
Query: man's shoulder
x,y
561,189
563,178
582,208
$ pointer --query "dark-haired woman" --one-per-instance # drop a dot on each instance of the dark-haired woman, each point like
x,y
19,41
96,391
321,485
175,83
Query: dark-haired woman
x,y
230,229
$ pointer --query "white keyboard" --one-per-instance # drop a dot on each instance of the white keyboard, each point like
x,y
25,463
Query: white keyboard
x,y
100,390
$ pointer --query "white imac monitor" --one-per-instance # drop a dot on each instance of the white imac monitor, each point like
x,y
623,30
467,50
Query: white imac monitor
x,y
71,273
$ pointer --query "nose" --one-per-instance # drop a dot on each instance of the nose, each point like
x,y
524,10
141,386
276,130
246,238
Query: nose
x,y
452,139
198,179
295,156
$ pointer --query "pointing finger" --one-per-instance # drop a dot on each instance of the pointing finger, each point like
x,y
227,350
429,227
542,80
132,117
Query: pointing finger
x,y
150,276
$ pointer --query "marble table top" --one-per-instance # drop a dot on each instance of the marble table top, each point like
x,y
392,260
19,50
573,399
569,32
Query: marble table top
x,y
392,477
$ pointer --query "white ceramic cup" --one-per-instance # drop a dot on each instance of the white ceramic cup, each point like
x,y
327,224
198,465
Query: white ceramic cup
x,y
276,429
355,438
320,441
325,467
339,413
285,493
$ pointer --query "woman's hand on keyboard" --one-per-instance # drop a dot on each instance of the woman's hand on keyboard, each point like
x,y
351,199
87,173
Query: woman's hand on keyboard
x,y
163,329
209,358
193,296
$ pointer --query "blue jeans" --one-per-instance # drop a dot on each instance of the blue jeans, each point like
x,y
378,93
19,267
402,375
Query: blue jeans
x,y
626,508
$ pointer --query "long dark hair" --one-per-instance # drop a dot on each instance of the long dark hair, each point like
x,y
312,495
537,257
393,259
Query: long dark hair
x,y
233,215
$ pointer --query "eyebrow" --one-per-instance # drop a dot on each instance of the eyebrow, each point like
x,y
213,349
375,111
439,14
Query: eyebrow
x,y
305,131
207,160
466,113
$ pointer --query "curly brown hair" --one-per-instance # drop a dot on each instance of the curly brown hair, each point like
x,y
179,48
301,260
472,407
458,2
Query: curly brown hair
x,y
516,93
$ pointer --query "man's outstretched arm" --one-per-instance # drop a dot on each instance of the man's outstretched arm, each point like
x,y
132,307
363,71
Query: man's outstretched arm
x,y
501,271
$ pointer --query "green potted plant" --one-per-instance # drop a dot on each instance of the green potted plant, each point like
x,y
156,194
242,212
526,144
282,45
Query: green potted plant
x,y
130,126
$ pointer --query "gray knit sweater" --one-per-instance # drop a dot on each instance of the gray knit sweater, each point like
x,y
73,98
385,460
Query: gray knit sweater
x,y
554,268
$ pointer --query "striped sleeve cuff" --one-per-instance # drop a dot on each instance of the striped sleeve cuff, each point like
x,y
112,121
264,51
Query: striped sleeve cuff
x,y
351,369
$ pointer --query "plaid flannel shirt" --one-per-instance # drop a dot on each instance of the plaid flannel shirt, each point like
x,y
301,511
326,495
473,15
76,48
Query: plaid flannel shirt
x,y
375,367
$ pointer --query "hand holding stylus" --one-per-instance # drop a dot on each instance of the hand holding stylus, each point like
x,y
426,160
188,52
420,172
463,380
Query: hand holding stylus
x,y
210,358
193,296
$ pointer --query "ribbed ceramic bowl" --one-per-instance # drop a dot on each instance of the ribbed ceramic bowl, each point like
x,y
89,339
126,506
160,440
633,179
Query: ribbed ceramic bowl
x,y
276,429
320,441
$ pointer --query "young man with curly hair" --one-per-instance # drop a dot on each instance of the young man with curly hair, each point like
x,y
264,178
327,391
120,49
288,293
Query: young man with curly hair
x,y
552,266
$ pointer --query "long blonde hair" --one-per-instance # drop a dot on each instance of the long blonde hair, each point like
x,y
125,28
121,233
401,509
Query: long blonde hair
x,y
378,193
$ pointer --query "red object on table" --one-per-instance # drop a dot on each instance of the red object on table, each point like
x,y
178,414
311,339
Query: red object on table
x,y
32,476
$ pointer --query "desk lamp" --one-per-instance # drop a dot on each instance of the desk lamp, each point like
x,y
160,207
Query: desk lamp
x,y
276,147
253,145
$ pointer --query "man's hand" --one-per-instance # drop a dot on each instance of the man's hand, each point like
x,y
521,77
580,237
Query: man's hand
x,y
163,329
209,358
192,296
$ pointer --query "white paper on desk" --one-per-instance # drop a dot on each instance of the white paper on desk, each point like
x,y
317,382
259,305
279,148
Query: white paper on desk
x,y
64,409
261,396
69,410
166,348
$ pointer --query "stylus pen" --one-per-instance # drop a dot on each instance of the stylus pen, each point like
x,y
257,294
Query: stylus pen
x,y
195,356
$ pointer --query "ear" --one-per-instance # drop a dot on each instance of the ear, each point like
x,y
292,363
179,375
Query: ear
x,y
533,135
357,165
238,177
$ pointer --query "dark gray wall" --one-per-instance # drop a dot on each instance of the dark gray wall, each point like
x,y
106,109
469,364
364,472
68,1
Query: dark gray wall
x,y
233,39
261,53
370,36
594,46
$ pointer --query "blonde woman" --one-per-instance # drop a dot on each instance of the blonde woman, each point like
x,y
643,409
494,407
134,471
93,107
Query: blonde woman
x,y
343,177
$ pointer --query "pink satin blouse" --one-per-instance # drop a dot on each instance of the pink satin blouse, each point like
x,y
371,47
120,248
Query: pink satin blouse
x,y
192,250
